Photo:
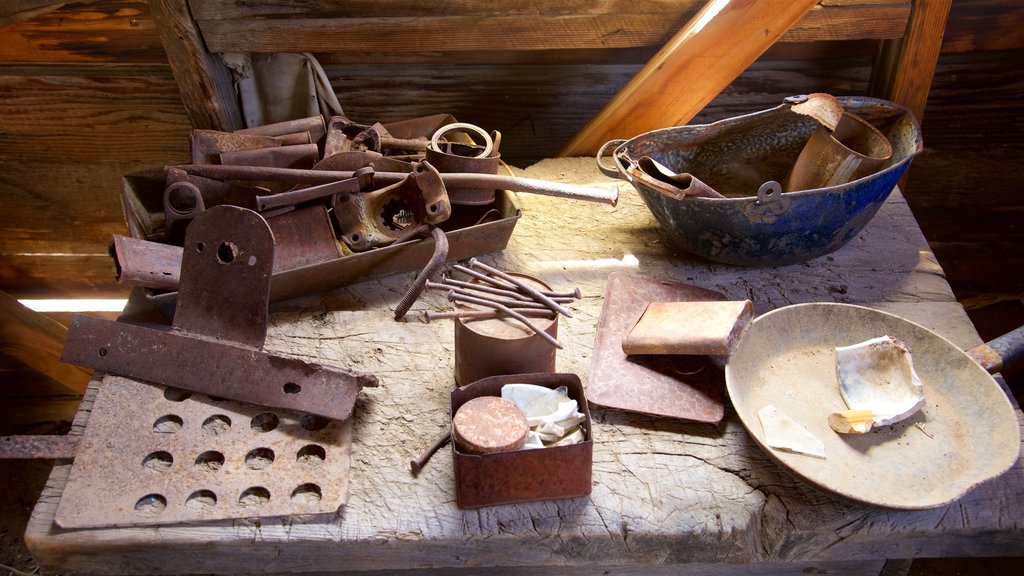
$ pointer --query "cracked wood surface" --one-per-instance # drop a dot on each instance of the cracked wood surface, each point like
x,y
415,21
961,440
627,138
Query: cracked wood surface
x,y
665,493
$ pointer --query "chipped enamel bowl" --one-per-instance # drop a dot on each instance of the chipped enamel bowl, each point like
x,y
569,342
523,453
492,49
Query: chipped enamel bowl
x,y
736,157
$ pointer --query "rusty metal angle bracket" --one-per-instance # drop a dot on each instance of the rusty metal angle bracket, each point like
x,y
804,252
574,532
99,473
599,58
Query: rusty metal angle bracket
x,y
215,343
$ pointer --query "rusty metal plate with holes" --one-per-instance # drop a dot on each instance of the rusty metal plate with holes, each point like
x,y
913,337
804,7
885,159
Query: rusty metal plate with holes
x,y
685,387
156,455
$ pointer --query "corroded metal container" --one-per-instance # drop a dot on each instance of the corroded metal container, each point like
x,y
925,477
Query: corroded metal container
x,y
548,473
500,346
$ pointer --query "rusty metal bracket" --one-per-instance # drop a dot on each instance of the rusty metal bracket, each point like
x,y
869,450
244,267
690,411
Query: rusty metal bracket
x,y
378,218
215,344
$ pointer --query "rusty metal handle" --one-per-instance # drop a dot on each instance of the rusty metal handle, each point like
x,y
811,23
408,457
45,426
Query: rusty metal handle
x,y
611,172
1001,352
451,180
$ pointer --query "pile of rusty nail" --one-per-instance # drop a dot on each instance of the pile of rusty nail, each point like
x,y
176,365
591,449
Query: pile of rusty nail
x,y
492,293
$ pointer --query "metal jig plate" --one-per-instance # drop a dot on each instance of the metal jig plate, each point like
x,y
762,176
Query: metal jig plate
x,y
156,455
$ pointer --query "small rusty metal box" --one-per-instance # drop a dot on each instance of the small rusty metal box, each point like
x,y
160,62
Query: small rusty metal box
x,y
523,475
471,231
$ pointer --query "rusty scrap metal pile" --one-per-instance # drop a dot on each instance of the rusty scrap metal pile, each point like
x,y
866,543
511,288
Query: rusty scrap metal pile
x,y
276,211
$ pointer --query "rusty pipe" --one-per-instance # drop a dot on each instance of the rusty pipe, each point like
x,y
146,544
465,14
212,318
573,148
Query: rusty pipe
x,y
451,180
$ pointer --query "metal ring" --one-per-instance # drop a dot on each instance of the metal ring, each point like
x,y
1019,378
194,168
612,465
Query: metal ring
x,y
769,191
488,143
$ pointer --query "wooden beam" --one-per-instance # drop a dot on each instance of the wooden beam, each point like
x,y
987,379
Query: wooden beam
x,y
442,28
704,57
206,85
914,66
37,341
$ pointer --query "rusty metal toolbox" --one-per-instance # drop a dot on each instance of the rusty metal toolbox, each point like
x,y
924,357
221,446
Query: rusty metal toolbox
x,y
142,197
523,475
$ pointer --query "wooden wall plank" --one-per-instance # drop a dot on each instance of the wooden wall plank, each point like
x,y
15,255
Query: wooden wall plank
x,y
60,276
984,25
82,113
471,32
107,31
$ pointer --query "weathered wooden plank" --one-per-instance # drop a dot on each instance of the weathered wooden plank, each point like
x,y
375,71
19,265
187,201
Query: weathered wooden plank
x,y
984,25
107,31
910,76
85,113
62,208
462,31
280,9
206,85
60,276
37,341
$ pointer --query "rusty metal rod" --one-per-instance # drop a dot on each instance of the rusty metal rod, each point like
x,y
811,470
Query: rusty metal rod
x,y
451,180
510,302
489,304
417,464
487,314
431,268
474,263
488,288
496,282
293,197
560,297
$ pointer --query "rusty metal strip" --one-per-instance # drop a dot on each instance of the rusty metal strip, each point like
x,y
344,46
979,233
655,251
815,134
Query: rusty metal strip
x,y
214,367
219,327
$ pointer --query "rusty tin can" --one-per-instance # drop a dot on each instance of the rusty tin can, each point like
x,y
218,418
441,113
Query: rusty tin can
x,y
548,473
499,346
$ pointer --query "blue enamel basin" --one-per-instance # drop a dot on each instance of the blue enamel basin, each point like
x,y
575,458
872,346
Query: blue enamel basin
x,y
736,157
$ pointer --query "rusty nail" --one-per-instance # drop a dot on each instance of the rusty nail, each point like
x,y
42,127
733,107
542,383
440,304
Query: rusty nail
x,y
488,288
474,263
417,464
510,302
454,297
487,314
432,266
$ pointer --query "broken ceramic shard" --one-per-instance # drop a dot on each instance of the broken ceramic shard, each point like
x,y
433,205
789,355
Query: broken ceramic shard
x,y
553,417
783,433
878,375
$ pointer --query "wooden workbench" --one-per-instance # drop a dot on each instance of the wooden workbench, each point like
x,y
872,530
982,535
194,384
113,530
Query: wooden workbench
x,y
668,496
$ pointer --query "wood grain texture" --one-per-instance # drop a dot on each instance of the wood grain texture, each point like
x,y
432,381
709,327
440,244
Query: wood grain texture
x,y
107,31
37,341
75,113
918,53
206,85
673,495
425,28
700,60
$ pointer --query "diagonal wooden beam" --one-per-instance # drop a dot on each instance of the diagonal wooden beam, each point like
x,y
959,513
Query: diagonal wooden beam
x,y
37,341
704,57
